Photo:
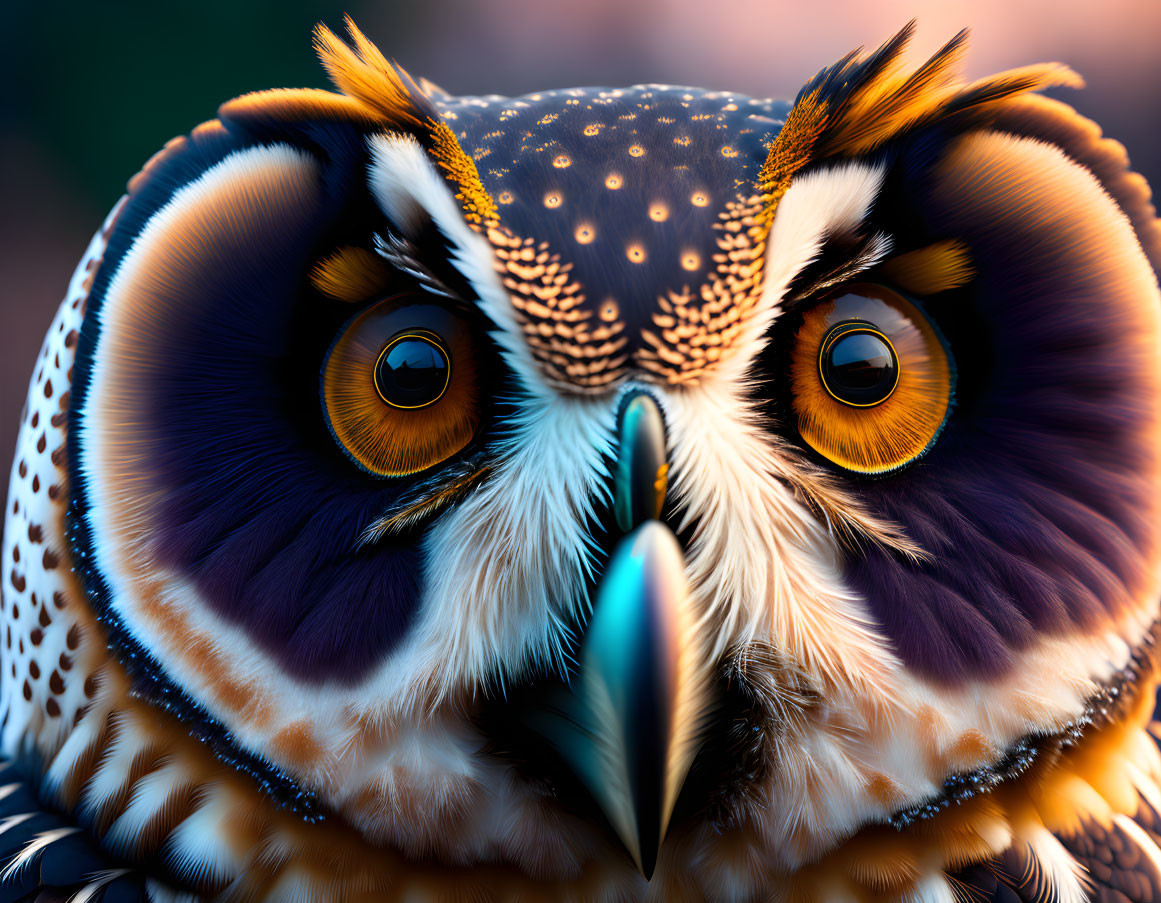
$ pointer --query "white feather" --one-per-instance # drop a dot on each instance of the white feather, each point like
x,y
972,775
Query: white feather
x,y
79,742
404,182
34,848
40,440
933,888
817,206
148,800
13,821
762,565
1054,870
112,773
199,850
96,884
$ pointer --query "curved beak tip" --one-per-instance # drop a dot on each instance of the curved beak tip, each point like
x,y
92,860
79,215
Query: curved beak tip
x,y
633,722
639,683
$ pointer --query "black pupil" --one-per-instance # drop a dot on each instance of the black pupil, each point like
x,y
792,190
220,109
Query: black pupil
x,y
859,367
412,373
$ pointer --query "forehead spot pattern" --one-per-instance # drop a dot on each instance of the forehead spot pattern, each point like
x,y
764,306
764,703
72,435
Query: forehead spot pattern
x,y
634,196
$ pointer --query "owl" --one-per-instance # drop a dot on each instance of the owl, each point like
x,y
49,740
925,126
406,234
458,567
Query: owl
x,y
598,495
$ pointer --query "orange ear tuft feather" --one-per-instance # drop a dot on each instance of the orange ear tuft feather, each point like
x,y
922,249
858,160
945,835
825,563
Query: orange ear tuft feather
x,y
860,103
362,72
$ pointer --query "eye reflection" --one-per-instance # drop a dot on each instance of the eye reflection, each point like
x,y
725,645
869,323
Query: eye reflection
x,y
412,371
858,365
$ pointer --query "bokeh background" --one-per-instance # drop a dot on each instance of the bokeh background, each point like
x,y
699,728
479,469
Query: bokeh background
x,y
90,90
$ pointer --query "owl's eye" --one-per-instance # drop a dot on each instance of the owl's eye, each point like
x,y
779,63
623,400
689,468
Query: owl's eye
x,y
400,386
870,380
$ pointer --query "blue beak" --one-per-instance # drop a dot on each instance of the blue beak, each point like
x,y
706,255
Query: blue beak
x,y
640,699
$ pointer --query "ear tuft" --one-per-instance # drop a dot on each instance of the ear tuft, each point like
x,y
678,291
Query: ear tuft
x,y
362,72
858,105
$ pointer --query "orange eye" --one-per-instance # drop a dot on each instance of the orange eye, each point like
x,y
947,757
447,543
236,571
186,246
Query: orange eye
x,y
399,386
870,379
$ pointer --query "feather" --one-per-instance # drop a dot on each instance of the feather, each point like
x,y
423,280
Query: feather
x,y
426,501
33,848
1052,872
351,274
364,73
14,821
936,268
856,106
96,884
403,255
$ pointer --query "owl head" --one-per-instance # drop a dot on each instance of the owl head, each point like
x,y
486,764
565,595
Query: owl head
x,y
600,494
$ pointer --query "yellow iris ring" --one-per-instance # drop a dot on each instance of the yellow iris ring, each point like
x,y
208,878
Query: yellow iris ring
x,y
841,332
883,437
431,339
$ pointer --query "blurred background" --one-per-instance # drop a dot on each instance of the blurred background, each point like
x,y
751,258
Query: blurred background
x,y
95,88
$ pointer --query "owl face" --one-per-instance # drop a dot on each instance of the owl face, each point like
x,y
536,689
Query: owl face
x,y
604,485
